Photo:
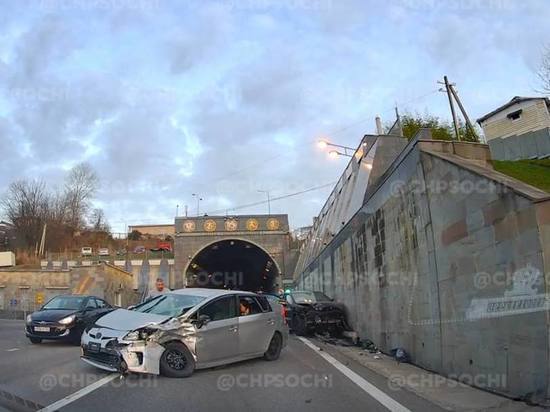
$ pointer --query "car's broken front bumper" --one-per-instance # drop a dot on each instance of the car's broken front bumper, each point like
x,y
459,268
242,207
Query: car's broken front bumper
x,y
324,320
105,349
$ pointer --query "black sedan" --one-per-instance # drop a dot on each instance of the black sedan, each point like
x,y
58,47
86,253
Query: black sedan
x,y
65,317
309,312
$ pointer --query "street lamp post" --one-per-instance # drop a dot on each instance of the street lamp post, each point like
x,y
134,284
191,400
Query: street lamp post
x,y
335,153
198,202
324,143
268,200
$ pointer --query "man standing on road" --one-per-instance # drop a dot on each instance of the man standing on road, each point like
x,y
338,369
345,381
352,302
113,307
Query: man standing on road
x,y
159,289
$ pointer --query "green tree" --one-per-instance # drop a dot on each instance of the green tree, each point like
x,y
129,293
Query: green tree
x,y
441,130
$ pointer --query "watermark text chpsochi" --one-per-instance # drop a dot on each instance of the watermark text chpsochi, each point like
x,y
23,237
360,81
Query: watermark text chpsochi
x,y
227,382
452,186
433,381
51,381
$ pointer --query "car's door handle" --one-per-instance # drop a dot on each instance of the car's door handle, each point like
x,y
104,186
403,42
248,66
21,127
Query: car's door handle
x,y
271,322
234,328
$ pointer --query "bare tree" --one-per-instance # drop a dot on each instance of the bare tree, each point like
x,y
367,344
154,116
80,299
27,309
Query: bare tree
x,y
544,71
80,187
25,205
98,221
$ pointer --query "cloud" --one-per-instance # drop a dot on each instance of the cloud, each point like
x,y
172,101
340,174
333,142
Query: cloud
x,y
225,98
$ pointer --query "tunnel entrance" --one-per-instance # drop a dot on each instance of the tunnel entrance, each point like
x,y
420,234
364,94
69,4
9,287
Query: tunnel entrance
x,y
233,264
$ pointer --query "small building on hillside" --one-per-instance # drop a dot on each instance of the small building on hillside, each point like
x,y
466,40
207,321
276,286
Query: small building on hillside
x,y
519,129
7,236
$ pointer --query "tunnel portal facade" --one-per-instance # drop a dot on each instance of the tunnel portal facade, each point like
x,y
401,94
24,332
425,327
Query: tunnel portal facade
x,y
247,252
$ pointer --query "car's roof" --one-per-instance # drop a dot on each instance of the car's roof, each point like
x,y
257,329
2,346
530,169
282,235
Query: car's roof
x,y
207,293
76,296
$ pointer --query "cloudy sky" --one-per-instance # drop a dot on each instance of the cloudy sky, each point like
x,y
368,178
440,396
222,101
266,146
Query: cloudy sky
x,y
228,97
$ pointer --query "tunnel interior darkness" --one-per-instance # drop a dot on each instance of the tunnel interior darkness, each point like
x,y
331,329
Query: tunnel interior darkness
x,y
233,264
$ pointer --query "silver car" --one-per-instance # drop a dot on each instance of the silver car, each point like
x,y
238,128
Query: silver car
x,y
175,333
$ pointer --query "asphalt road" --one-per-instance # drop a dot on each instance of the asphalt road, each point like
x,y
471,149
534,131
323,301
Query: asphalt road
x,y
302,379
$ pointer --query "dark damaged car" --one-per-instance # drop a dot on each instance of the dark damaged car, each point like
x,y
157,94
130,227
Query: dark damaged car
x,y
175,333
314,312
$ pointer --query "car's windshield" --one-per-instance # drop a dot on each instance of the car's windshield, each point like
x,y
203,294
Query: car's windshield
x,y
169,304
65,302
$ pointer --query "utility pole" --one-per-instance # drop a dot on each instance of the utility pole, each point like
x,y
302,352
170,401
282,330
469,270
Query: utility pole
x,y
198,203
466,118
268,200
452,94
42,241
185,210
455,120
398,120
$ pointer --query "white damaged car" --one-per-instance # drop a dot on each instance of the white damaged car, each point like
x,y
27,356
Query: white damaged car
x,y
175,333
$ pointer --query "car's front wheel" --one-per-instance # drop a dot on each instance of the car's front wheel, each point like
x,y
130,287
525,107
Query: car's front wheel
x,y
274,349
35,340
176,361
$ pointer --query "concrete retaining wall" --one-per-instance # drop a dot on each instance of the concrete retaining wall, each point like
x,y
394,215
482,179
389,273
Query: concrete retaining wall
x,y
432,260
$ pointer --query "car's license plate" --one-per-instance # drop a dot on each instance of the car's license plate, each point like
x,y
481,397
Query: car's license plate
x,y
93,347
41,329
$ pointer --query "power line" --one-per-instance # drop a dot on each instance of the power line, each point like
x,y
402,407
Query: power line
x,y
245,206
308,142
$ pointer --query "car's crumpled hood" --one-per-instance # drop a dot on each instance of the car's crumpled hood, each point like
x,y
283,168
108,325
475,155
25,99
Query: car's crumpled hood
x,y
326,306
123,319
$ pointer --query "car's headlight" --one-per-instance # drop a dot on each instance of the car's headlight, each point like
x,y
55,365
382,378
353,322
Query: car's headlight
x,y
68,320
136,335
29,318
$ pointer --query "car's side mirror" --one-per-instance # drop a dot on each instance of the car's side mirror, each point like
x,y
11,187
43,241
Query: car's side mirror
x,y
201,321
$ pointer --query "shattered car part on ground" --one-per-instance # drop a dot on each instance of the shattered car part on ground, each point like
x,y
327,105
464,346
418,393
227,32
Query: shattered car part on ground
x,y
175,333
311,312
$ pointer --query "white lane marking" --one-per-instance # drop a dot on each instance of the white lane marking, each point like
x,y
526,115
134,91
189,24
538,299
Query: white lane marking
x,y
369,388
12,349
79,394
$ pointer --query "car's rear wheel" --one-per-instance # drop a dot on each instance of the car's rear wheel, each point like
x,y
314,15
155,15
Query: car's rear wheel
x,y
176,361
35,340
274,348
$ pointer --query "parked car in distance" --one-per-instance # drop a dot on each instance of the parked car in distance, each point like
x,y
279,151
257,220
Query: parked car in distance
x,y
139,249
86,251
103,251
309,312
162,247
177,332
65,317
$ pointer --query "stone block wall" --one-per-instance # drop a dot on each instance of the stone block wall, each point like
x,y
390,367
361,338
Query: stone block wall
x,y
22,291
444,259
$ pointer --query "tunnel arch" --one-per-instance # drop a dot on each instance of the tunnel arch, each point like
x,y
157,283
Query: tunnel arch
x,y
233,263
